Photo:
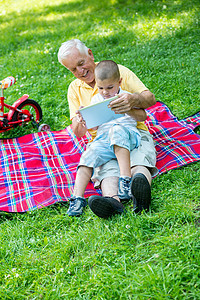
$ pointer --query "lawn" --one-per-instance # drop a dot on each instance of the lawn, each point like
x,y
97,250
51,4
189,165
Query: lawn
x,y
45,254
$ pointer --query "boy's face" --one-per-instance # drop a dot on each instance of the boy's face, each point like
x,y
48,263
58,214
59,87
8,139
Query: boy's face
x,y
108,87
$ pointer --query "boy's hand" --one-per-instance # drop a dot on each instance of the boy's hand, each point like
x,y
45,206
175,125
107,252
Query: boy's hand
x,y
80,118
95,128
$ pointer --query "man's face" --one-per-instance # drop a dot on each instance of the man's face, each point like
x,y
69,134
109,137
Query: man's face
x,y
81,65
108,87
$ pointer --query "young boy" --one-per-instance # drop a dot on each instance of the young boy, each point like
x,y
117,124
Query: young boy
x,y
114,139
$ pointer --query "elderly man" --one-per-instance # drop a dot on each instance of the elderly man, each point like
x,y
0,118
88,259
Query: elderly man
x,y
79,60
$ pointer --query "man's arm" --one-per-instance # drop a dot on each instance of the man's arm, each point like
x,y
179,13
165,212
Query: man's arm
x,y
139,115
126,102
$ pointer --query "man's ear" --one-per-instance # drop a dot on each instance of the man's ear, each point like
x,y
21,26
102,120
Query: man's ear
x,y
120,81
90,53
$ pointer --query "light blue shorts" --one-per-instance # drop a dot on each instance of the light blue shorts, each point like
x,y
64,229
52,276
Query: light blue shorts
x,y
101,149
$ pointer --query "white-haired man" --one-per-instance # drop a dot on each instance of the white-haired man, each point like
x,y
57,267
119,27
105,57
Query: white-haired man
x,y
79,59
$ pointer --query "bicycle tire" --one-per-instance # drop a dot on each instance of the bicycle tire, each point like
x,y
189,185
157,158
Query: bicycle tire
x,y
31,103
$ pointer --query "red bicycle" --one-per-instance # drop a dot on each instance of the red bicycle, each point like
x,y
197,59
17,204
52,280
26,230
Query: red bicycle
x,y
24,110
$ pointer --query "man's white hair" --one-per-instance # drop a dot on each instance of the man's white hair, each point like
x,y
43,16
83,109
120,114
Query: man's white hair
x,y
67,47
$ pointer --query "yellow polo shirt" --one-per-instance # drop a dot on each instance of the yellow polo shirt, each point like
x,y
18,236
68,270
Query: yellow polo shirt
x,y
80,93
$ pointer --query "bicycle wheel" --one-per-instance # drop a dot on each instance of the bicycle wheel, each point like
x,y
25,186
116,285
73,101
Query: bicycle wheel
x,y
30,107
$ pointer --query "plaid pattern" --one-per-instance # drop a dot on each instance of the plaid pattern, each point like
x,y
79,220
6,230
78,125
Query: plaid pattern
x,y
38,170
192,122
175,141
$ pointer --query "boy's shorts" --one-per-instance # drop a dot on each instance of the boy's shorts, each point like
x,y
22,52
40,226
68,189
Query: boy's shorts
x,y
100,151
144,155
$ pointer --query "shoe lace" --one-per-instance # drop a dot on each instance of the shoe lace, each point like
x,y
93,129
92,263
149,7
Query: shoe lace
x,y
113,196
124,184
72,202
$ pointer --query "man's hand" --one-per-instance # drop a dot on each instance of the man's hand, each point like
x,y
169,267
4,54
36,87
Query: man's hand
x,y
122,104
126,102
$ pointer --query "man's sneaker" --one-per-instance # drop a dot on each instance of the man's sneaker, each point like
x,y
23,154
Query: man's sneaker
x,y
76,206
141,191
124,191
105,207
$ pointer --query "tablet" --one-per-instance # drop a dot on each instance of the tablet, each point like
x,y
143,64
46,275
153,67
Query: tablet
x,y
99,113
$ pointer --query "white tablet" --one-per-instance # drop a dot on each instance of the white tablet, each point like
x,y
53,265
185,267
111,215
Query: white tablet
x,y
99,113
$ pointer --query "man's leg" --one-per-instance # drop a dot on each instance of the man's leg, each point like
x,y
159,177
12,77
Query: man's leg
x,y
109,204
109,187
141,188
143,160
105,206
143,170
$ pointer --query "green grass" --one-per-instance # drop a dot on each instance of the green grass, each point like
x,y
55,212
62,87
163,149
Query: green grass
x,y
47,255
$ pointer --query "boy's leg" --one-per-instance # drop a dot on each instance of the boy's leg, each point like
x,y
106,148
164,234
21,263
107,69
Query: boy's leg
x,y
124,185
78,202
122,143
123,158
116,186
83,177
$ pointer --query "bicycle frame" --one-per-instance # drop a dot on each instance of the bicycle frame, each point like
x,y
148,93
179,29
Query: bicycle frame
x,y
13,107
9,120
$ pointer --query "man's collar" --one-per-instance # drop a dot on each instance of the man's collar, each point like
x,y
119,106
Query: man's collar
x,y
83,84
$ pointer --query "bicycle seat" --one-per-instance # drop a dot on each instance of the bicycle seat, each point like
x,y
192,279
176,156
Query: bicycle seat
x,y
6,82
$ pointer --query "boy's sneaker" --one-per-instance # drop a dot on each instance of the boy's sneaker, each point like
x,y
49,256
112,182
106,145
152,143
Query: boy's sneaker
x,y
124,191
76,206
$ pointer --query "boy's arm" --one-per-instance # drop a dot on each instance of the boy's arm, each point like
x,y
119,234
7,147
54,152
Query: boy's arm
x,y
78,125
78,128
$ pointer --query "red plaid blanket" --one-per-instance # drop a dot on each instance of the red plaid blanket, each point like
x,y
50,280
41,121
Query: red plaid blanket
x,y
176,142
39,169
